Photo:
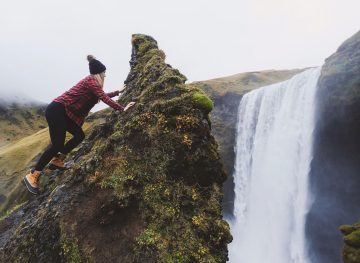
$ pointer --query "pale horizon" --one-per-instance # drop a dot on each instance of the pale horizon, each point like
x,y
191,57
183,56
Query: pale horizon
x,y
44,44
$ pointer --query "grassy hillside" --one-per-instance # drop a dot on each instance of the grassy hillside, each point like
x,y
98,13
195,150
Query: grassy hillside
x,y
16,157
226,93
18,121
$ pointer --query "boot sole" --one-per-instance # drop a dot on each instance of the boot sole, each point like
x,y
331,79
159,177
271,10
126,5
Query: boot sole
x,y
53,167
34,191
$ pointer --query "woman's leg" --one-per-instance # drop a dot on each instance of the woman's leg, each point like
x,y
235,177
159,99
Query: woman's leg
x,y
56,118
77,133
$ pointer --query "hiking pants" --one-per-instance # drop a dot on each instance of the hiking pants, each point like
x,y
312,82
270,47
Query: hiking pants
x,y
59,124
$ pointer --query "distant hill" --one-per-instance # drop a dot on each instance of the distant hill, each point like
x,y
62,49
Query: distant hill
x,y
11,98
20,116
17,121
226,92
244,82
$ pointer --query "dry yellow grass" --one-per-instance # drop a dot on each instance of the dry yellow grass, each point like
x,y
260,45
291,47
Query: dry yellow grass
x,y
245,82
17,157
16,122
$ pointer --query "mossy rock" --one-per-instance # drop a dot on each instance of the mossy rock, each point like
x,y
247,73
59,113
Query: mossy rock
x,y
347,229
203,101
351,255
351,250
353,239
147,182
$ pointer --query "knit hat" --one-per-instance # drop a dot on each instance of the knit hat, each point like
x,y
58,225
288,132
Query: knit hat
x,y
95,66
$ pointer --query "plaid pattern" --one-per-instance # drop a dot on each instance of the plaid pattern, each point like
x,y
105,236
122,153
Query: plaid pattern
x,y
80,99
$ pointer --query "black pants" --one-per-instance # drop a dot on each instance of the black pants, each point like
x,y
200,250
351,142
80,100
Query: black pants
x,y
59,124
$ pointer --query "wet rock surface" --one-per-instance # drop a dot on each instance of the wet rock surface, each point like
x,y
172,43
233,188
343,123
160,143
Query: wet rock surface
x,y
334,177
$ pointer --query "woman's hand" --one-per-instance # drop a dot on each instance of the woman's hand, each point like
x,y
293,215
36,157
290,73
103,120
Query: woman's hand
x,y
130,104
122,89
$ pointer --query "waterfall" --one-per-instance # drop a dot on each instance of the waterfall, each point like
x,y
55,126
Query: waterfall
x,y
273,155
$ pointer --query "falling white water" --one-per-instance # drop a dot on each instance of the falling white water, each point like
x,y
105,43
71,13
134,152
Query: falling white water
x,y
273,155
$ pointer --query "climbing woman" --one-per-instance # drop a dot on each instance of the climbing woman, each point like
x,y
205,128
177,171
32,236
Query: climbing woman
x,y
66,114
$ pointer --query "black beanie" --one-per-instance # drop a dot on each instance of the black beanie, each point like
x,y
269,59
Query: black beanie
x,y
95,66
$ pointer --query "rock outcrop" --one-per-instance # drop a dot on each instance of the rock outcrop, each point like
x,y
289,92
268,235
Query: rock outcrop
x,y
145,186
334,177
351,252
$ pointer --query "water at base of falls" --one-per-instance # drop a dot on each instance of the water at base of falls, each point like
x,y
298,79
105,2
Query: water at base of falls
x,y
273,155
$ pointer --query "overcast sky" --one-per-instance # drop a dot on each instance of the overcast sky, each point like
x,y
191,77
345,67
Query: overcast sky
x,y
44,43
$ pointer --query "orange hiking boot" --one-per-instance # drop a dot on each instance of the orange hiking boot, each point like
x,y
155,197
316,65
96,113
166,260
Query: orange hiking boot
x,y
31,181
58,162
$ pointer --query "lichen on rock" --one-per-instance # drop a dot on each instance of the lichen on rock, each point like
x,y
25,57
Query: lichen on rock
x,y
145,186
351,252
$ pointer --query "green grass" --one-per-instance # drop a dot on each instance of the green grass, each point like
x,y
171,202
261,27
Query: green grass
x,y
10,211
18,156
15,156
18,122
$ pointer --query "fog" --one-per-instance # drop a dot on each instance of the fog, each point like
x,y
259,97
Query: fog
x,y
10,97
44,43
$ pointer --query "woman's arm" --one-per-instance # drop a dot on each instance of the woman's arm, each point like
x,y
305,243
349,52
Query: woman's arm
x,y
116,93
99,92
113,94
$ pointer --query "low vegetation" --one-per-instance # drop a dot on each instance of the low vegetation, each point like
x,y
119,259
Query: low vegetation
x,y
145,186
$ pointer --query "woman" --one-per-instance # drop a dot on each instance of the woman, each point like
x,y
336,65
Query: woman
x,y
67,114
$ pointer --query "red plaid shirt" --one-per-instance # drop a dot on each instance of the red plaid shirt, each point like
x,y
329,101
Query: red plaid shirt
x,y
80,99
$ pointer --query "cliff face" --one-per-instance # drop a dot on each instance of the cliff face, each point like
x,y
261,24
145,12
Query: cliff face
x,y
334,177
144,187
226,93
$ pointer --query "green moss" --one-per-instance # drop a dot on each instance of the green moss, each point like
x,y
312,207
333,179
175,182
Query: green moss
x,y
351,255
353,239
203,101
10,211
347,229
148,238
139,40
71,251
351,251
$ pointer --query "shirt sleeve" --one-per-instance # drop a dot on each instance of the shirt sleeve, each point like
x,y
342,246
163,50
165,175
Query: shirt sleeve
x,y
113,94
99,92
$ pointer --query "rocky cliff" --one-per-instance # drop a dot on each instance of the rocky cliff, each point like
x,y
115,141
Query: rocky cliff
x,y
145,186
226,93
334,177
